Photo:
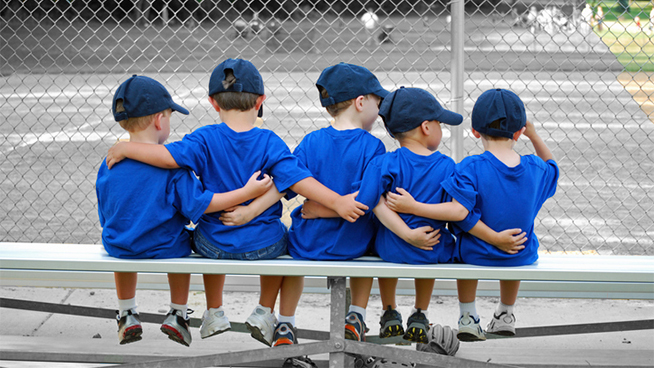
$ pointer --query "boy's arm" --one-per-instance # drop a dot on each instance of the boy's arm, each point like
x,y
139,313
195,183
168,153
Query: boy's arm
x,y
423,237
241,215
345,206
403,202
509,241
313,210
539,145
152,154
252,189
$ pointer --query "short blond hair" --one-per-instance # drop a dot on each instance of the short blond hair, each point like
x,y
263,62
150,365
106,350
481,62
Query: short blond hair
x,y
337,108
242,101
140,123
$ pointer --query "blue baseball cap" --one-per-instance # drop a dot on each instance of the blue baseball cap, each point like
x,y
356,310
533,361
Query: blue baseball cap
x,y
248,78
406,108
143,96
347,81
499,104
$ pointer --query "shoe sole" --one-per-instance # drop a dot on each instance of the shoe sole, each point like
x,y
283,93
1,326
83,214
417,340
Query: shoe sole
x,y
468,337
132,334
216,333
391,331
174,335
415,334
256,334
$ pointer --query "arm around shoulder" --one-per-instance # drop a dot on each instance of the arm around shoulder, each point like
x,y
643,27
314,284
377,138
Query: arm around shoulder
x,y
152,154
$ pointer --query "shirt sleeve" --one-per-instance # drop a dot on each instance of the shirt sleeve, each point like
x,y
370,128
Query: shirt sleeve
x,y
300,153
551,178
191,152
285,168
374,183
188,195
461,186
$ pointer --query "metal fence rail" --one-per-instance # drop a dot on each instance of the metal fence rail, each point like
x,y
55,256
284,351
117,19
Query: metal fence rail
x,y
586,81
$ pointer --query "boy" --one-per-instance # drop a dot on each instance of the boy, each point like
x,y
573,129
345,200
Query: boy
x,y
412,116
504,190
143,209
221,154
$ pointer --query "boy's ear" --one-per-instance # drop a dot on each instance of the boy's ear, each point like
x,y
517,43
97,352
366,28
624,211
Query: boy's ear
x,y
260,100
214,104
424,127
475,133
157,120
358,103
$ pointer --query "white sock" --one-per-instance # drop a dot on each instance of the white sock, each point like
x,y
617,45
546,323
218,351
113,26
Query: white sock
x,y
180,307
126,304
287,319
471,308
357,309
425,312
501,307
265,308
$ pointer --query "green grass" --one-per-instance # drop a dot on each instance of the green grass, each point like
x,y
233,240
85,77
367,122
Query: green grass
x,y
634,50
613,10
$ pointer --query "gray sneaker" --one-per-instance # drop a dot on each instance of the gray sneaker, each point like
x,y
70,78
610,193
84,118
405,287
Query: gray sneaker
x,y
469,329
214,322
176,327
261,325
129,327
504,324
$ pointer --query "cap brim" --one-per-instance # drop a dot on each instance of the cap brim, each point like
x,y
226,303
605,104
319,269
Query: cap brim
x,y
178,108
381,93
450,118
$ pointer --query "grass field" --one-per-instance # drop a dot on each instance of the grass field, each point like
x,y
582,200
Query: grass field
x,y
58,80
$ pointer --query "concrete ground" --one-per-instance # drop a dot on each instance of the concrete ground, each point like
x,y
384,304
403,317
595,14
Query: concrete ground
x,y
44,332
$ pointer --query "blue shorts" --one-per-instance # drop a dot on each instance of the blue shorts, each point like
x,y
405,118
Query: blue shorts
x,y
208,249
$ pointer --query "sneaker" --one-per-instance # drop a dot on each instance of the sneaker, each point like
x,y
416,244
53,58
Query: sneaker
x,y
469,329
417,327
176,327
261,325
299,362
284,334
214,322
391,323
129,327
504,324
355,328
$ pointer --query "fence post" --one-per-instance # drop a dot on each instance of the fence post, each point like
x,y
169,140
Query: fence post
x,y
457,70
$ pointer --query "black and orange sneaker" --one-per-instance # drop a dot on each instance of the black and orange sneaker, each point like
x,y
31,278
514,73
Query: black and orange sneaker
x,y
355,327
284,334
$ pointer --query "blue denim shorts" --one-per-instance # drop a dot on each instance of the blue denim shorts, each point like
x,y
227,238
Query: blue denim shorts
x,y
206,248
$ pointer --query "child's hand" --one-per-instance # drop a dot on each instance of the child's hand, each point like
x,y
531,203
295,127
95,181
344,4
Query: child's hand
x,y
236,216
313,210
349,209
424,237
258,187
511,240
115,154
402,202
530,130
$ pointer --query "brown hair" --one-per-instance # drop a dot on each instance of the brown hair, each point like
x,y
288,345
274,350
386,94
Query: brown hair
x,y
497,124
138,124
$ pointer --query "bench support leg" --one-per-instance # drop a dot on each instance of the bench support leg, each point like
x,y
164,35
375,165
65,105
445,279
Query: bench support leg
x,y
337,322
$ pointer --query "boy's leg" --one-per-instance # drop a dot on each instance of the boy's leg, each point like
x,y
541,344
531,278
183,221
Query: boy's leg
x,y
503,322
289,297
391,320
214,320
469,327
355,320
176,324
262,321
129,325
418,324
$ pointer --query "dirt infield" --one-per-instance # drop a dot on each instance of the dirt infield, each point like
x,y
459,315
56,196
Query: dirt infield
x,y
641,87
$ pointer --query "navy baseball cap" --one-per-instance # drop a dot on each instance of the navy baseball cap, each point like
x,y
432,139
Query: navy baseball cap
x,y
143,96
347,81
406,108
499,104
248,78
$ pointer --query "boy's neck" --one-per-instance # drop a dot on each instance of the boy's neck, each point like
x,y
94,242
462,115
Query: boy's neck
x,y
239,121
144,136
415,146
503,151
346,120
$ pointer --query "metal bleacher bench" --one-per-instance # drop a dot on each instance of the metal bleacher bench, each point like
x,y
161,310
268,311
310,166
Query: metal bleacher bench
x,y
592,276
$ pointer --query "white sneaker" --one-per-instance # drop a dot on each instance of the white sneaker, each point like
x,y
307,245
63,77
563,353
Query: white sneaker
x,y
261,324
504,324
214,322
469,329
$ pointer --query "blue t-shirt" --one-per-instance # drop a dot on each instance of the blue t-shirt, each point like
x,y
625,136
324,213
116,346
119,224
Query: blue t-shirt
x,y
224,160
337,159
421,176
143,209
503,198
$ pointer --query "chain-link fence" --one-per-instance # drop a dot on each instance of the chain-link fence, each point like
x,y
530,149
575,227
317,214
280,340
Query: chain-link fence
x,y
585,76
